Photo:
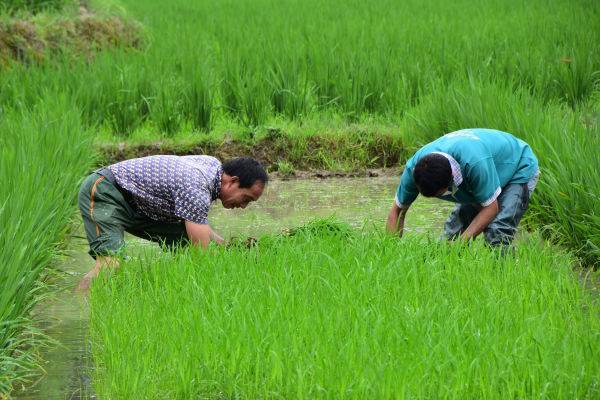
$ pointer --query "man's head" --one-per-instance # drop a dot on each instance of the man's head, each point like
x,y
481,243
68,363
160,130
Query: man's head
x,y
243,181
432,175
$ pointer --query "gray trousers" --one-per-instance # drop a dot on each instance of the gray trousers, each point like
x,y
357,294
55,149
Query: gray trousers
x,y
512,203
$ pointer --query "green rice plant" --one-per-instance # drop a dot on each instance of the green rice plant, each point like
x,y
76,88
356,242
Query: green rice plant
x,y
44,151
199,95
242,91
290,88
346,315
166,107
121,103
276,58
127,106
229,97
33,6
577,79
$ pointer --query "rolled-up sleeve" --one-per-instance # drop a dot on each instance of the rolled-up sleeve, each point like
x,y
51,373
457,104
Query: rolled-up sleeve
x,y
407,190
484,181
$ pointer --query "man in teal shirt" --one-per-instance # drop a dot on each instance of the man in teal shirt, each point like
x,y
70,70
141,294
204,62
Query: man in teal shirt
x,y
490,174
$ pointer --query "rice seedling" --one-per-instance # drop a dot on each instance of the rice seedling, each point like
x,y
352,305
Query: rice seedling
x,y
332,313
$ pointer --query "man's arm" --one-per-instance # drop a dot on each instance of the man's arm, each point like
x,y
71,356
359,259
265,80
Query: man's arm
x,y
485,185
201,234
405,194
481,220
395,220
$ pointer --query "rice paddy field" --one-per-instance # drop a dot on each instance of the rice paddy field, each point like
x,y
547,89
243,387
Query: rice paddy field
x,y
341,312
334,314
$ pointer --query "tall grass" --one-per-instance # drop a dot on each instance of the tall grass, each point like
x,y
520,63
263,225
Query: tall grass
x,y
335,314
43,153
33,6
263,58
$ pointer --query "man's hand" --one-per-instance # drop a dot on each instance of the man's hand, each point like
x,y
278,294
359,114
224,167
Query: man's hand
x,y
202,234
101,262
481,221
395,220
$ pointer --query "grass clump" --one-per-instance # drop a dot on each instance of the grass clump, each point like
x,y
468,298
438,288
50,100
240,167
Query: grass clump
x,y
73,32
284,168
324,227
346,315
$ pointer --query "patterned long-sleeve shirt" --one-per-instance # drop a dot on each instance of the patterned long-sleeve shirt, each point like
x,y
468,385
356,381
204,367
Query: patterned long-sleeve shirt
x,y
171,188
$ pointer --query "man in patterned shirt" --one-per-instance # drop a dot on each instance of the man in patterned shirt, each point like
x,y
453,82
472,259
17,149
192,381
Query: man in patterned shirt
x,y
490,174
162,198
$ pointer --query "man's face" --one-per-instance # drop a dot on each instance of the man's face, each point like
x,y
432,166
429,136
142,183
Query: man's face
x,y
232,196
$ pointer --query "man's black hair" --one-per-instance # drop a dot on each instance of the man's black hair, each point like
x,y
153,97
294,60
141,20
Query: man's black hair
x,y
247,169
432,174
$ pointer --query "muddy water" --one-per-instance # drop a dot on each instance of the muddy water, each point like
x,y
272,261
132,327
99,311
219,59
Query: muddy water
x,y
66,314
354,200
283,204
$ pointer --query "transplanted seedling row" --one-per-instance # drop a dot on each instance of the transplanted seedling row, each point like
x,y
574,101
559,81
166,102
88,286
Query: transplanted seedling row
x,y
326,312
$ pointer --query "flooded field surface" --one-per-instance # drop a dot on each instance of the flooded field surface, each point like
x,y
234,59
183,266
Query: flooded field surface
x,y
284,204
353,200
66,363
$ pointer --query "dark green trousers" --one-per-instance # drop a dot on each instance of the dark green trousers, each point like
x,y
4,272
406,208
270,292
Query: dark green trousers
x,y
107,215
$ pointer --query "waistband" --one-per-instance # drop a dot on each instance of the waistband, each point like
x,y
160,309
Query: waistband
x,y
110,177
107,173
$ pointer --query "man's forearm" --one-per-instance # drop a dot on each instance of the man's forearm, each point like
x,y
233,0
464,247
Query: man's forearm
x,y
395,221
485,216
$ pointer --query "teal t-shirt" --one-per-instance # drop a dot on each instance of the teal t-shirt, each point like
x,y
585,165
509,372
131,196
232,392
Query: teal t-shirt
x,y
488,161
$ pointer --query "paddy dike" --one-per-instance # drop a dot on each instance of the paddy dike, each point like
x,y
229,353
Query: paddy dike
x,y
316,156
36,38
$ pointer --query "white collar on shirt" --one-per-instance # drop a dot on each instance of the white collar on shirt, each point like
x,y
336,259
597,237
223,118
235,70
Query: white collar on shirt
x,y
456,173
